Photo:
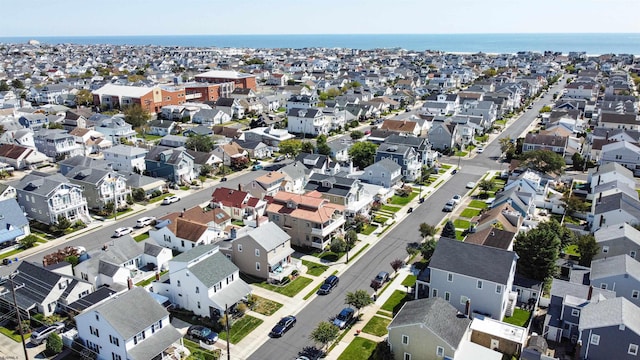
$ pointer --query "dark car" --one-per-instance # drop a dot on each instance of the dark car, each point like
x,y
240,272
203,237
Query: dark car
x,y
283,326
223,179
380,279
410,210
344,318
331,282
202,333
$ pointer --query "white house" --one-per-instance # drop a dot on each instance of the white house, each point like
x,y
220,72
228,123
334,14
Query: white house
x,y
126,159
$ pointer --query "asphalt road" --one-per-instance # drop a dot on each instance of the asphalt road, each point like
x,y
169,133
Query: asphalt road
x,y
392,246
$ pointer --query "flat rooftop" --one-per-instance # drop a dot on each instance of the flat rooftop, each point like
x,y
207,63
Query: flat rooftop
x,y
499,329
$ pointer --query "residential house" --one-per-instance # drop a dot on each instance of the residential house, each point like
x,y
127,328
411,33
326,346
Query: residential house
x,y
57,144
270,136
310,221
210,117
239,205
148,184
126,159
263,252
518,199
265,185
619,121
296,175
617,273
162,127
91,141
36,121
420,144
385,172
173,164
401,127
232,154
499,336
204,281
55,289
201,158
610,329
20,157
100,187
255,149
307,121
173,141
45,197
131,325
614,209
115,129
557,144
469,275
231,107
609,178
7,192
623,153
340,190
443,134
497,227
616,240
14,225
317,163
405,156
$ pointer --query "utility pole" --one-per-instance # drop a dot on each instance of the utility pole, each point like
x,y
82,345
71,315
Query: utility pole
x,y
15,304
226,325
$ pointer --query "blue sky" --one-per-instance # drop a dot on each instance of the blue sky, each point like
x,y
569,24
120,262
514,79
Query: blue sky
x,y
214,17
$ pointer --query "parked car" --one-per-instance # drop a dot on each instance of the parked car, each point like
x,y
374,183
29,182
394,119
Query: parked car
x,y
257,167
223,179
449,206
144,221
329,283
470,185
170,200
410,210
202,333
344,318
122,231
456,198
280,158
39,335
380,279
283,326
480,150
80,249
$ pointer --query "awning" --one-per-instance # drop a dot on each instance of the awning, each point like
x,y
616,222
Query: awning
x,y
231,294
10,235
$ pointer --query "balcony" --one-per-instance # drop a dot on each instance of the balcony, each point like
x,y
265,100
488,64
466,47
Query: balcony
x,y
319,243
328,229
284,270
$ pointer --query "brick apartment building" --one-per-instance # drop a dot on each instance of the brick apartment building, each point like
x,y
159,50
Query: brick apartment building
x,y
240,80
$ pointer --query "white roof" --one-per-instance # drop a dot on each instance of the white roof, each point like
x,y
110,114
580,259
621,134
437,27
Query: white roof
x,y
224,74
122,90
469,350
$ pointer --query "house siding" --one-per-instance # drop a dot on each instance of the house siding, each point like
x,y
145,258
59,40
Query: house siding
x,y
614,343
422,343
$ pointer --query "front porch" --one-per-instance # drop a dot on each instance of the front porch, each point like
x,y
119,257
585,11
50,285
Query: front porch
x,y
284,269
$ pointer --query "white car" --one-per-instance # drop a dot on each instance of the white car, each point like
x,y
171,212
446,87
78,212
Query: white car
x,y
456,199
480,150
170,200
470,185
144,221
41,334
122,231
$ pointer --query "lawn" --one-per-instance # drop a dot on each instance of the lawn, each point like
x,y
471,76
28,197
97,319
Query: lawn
x,y
14,335
314,268
402,200
469,213
141,237
459,235
380,219
264,306
461,224
199,353
120,213
291,289
150,279
330,256
445,166
159,198
376,326
358,349
477,204
241,328
409,281
520,317
368,229
389,208
461,153
395,301
571,250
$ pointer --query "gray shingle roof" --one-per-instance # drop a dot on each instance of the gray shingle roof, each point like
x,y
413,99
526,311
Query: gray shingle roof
x,y
269,236
610,312
386,163
210,270
476,261
437,315
41,184
126,150
11,214
131,312
615,265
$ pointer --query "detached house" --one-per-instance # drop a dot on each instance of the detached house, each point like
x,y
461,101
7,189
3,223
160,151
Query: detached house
x,y
307,121
174,164
443,134
614,209
405,156
385,173
204,281
232,154
340,190
624,153
618,273
266,185
186,230
126,159
14,224
239,205
56,143
45,197
473,278
20,157
619,239
162,127
131,325
100,186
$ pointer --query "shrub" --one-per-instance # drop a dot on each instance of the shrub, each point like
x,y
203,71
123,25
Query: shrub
x,y
54,344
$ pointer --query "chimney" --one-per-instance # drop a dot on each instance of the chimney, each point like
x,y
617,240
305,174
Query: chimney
x,y
590,293
157,276
129,283
467,308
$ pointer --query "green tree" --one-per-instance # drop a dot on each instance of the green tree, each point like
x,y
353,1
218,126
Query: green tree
x,y
363,154
506,144
356,134
4,86
54,344
426,230
587,247
396,264
449,230
382,351
136,115
60,226
578,161
290,147
545,161
537,250
358,299
307,147
574,204
338,245
72,259
324,333
427,248
321,145
138,194
17,84
55,125
350,239
203,143
485,185
545,109
84,97
28,241
206,170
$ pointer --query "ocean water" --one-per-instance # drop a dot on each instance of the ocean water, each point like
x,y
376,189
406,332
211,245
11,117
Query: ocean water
x,y
468,43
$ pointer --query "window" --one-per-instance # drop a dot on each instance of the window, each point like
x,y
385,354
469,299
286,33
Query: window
x,y
434,292
198,304
575,312
407,356
115,356
258,266
595,339
178,283
603,286
633,349
197,290
498,289
440,351
450,277
405,339
479,284
239,247
632,254
605,249
447,295
114,340
635,294
257,252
